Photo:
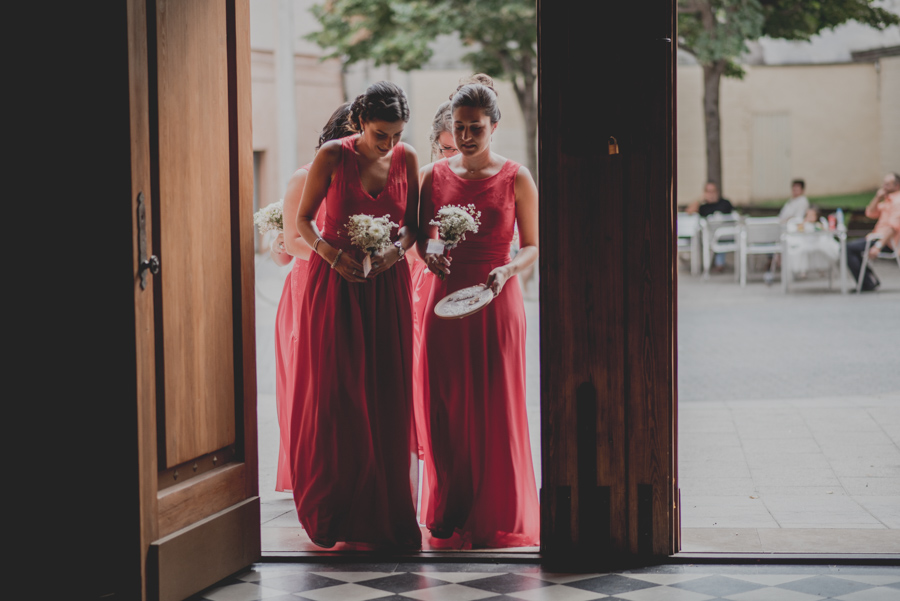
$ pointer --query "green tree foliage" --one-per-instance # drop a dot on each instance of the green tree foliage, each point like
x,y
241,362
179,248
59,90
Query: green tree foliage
x,y
716,32
502,35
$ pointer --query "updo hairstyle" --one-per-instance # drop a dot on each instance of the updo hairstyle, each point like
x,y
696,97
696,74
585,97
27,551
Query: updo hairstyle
x,y
477,92
384,101
338,125
443,121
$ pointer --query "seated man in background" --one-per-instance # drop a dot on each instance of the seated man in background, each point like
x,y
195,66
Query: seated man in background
x,y
885,207
797,206
712,203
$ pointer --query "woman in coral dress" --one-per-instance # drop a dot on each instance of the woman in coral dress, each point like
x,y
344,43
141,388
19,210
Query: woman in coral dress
x,y
353,440
481,489
285,247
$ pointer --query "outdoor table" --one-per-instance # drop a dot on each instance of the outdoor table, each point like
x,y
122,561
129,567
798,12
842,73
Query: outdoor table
x,y
839,234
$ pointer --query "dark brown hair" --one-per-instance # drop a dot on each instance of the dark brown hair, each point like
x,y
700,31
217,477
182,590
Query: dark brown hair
x,y
338,125
799,182
384,101
443,121
477,92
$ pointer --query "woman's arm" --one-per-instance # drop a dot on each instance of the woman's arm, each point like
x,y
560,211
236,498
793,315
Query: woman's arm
x,y
527,221
293,242
436,263
314,191
872,210
278,252
410,230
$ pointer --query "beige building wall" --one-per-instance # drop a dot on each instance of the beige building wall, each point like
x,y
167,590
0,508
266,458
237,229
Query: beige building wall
x,y
889,97
317,93
838,132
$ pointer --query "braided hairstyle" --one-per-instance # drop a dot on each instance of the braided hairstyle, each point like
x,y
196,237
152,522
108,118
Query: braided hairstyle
x,y
338,125
477,92
382,100
443,121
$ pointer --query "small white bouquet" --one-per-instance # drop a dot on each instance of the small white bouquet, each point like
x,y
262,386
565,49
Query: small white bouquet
x,y
371,234
270,218
453,222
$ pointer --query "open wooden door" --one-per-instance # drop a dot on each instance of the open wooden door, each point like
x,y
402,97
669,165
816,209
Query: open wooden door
x,y
192,169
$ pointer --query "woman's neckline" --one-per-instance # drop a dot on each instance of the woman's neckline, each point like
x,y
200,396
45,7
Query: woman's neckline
x,y
480,179
356,151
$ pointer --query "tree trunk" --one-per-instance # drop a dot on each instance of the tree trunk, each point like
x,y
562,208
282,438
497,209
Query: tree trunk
x,y
712,76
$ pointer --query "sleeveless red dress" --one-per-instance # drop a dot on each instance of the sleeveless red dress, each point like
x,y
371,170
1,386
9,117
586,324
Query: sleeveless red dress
x,y
286,334
353,441
479,472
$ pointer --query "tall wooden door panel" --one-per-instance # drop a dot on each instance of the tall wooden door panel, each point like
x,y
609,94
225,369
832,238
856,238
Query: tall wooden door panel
x,y
194,228
200,504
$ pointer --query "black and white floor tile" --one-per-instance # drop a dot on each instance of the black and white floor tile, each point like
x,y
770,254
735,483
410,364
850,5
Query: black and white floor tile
x,y
516,582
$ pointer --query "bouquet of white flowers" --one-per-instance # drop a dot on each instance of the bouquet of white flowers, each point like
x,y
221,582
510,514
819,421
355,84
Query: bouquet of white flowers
x,y
453,221
270,218
371,234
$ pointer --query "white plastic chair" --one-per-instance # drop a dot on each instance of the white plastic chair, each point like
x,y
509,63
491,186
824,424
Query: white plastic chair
x,y
719,235
759,236
688,236
884,254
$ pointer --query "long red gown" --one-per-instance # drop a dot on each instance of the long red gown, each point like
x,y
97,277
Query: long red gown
x,y
479,473
353,438
286,334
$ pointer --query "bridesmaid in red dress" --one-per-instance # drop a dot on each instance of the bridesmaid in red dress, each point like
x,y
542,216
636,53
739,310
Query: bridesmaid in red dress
x,y
483,492
353,440
287,246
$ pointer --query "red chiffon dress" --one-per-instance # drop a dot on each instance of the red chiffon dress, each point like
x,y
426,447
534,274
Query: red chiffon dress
x,y
479,472
353,440
287,333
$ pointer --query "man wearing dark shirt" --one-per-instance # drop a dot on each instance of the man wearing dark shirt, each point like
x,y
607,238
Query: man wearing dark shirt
x,y
712,203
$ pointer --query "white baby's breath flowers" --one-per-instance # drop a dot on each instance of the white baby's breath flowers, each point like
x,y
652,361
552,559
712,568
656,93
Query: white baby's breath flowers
x,y
270,218
371,234
453,221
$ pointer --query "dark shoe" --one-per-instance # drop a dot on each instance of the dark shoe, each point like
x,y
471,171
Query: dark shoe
x,y
871,282
442,532
325,543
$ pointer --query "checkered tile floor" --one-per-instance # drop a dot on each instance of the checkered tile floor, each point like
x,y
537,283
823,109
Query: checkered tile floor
x,y
495,582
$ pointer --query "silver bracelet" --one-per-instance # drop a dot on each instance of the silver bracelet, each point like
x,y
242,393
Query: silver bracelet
x,y
337,258
316,245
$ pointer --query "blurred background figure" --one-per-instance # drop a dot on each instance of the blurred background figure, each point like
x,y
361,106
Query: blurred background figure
x,y
712,203
885,207
797,206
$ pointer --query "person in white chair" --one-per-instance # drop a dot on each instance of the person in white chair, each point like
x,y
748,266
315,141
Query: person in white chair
x,y
885,207
796,207
810,252
712,203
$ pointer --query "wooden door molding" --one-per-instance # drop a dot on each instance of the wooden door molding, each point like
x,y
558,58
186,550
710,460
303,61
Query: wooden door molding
x,y
607,279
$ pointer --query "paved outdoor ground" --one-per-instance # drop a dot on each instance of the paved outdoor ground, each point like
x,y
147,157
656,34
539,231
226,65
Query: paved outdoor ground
x,y
789,414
